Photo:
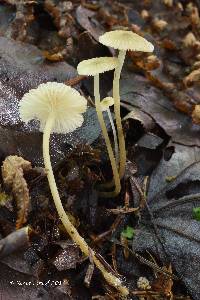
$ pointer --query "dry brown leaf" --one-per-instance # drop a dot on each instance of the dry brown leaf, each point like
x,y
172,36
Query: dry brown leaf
x,y
194,16
24,16
53,56
194,76
145,14
13,176
163,283
196,114
190,40
168,3
60,11
151,62
159,24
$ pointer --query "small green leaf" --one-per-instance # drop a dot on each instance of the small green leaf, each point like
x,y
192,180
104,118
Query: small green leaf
x,y
196,213
128,232
170,178
3,198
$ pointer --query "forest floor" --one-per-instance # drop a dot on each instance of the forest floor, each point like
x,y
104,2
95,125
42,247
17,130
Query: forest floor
x,y
149,235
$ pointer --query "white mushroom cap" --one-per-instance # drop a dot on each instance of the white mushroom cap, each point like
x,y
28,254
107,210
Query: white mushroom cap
x,y
125,40
65,102
106,103
97,65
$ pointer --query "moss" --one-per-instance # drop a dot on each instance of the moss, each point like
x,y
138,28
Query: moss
x,y
3,198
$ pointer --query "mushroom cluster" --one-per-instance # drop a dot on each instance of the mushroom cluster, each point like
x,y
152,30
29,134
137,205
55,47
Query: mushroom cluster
x,y
123,41
59,109
94,67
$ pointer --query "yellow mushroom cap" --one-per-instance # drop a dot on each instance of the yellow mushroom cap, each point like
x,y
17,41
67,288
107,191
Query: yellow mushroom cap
x,y
97,65
106,103
125,40
64,102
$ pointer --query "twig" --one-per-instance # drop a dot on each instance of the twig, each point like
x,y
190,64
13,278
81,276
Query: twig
x,y
184,199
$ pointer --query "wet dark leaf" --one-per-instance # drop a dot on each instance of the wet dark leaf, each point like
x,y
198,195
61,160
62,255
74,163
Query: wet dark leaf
x,y
84,18
144,139
88,47
136,114
15,241
138,92
181,158
7,14
15,285
172,216
67,258
22,67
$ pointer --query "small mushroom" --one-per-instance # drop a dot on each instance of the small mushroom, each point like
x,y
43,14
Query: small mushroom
x,y
123,41
93,67
105,106
59,109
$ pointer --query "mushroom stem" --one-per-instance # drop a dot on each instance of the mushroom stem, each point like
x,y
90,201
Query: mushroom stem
x,y
116,96
71,230
114,136
54,191
107,141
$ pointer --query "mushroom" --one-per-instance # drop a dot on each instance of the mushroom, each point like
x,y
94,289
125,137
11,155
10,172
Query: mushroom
x,y
123,41
93,67
105,106
59,109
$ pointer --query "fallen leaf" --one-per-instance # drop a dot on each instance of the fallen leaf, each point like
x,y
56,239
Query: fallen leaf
x,y
20,22
180,158
16,241
84,18
193,77
138,92
171,234
163,283
67,258
13,169
23,67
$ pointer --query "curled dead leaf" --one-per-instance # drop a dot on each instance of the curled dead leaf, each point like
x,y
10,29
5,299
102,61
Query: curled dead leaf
x,y
196,114
15,241
24,16
168,3
159,24
149,63
190,40
194,16
13,169
164,283
145,14
61,14
194,76
53,56
168,44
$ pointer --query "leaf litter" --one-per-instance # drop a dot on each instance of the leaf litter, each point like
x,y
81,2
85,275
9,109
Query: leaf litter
x,y
160,98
